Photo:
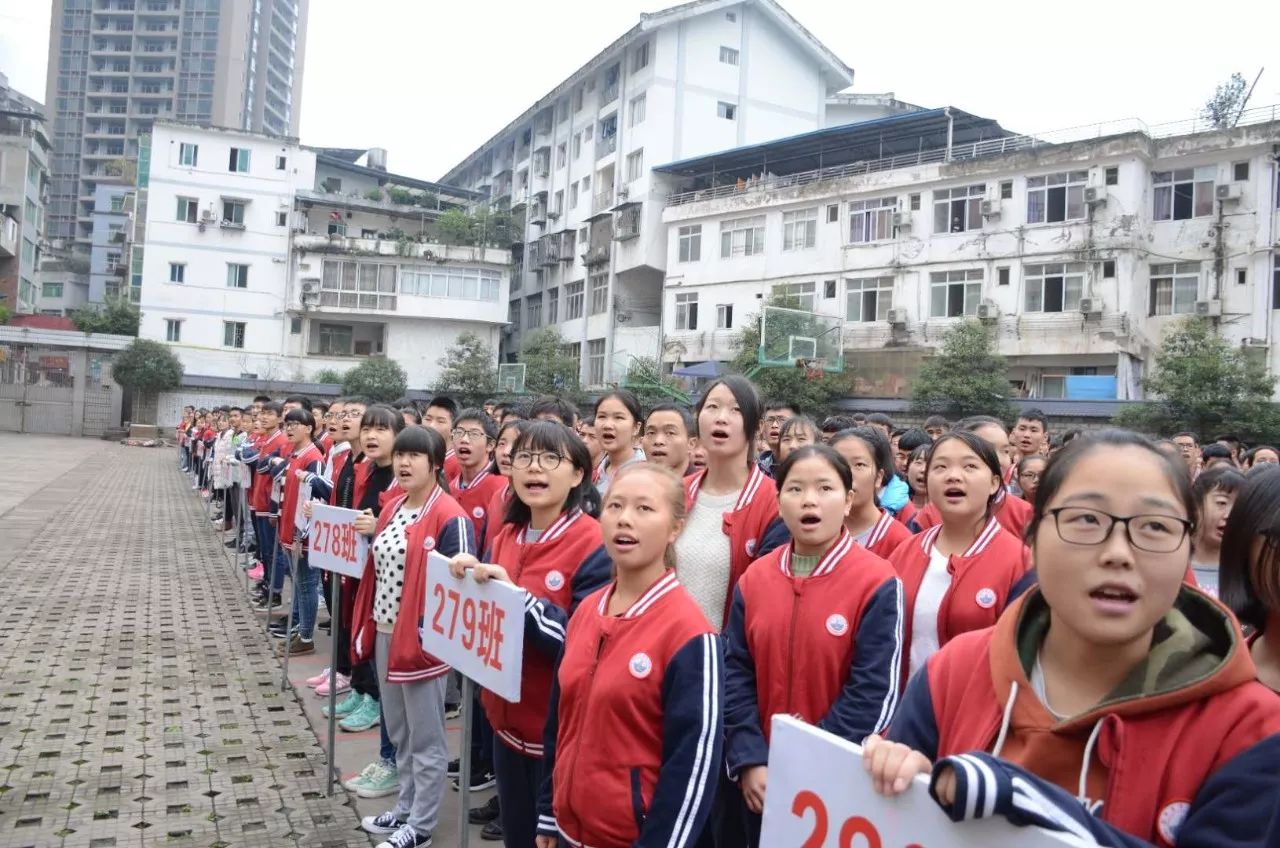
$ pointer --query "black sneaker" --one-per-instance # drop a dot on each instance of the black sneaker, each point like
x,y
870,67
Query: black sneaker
x,y
485,814
492,832
453,769
266,604
325,625
279,631
480,780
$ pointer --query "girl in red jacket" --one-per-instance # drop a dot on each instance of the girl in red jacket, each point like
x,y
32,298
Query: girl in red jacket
x,y
550,548
617,421
816,626
1119,704
870,460
634,732
958,574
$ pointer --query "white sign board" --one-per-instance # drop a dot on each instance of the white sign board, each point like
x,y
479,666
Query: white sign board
x,y
476,628
819,796
333,543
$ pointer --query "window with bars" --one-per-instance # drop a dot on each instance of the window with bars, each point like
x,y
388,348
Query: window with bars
x,y
1183,194
728,55
1174,288
595,362
573,297
957,210
742,236
233,334
799,229
868,299
1056,197
599,293
1055,287
871,220
358,285
553,306
953,294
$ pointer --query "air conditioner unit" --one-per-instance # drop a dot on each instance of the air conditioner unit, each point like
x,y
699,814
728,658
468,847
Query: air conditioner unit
x,y
1228,191
1209,308
902,220
991,209
1091,306
207,216
898,317
988,312
1095,194
310,287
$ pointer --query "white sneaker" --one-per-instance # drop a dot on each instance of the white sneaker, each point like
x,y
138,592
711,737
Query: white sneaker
x,y
382,824
407,837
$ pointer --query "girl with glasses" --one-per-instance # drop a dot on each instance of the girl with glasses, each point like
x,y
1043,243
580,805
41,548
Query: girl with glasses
x,y
551,548
1030,470
1119,704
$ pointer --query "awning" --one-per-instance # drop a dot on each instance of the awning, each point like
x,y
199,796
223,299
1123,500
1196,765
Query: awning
x,y
709,370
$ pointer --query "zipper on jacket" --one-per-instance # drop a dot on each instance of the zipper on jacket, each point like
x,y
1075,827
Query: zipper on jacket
x,y
591,682
791,640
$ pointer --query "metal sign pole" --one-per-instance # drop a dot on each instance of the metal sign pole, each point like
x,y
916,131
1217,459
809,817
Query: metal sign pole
x,y
288,629
335,599
464,755
270,574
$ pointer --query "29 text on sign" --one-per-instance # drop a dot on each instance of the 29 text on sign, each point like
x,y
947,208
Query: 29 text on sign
x,y
481,624
806,801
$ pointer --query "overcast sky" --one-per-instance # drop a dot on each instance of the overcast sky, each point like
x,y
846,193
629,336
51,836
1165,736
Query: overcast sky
x,y
432,80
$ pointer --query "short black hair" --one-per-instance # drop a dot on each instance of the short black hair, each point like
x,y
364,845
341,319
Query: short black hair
x,y
1222,478
816,451
320,406
1034,415
881,451
795,422
300,416
381,415
413,412
913,439
836,423
1248,587
881,419
256,399
358,399
976,422
774,404
936,421
301,400
686,417
443,402
423,440
627,399
273,406
236,409
552,405
478,415
1214,450
979,446
1190,435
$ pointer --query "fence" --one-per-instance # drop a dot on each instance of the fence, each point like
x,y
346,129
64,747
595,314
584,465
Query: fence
x,y
58,382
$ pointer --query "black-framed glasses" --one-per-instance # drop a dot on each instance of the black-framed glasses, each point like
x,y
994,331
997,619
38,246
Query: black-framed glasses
x,y
547,460
1151,532
470,435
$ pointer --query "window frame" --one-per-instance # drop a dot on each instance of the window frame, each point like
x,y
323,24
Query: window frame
x,y
726,110
599,286
749,231
802,219
574,299
730,55
173,330
185,148
596,351
233,330
635,165
800,292
689,243
967,198
237,275
1036,279
180,276
192,210
970,282
239,160
868,290
686,311
871,220
1183,279
636,109
1059,193
1198,192
724,316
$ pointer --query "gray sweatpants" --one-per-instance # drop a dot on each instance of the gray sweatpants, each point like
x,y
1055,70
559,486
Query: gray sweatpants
x,y
414,716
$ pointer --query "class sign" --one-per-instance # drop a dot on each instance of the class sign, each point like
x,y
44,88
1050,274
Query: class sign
x,y
333,543
478,628
819,796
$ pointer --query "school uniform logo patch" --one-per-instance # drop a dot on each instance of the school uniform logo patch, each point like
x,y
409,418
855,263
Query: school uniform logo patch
x,y
429,543
751,547
837,624
1170,820
986,597
554,580
478,512
640,666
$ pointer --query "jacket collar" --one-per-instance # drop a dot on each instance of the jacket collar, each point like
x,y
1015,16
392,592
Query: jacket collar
x,y
829,560
880,528
754,479
557,529
992,528
665,585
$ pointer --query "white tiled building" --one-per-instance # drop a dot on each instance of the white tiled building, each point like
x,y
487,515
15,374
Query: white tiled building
x,y
575,166
1079,253
265,260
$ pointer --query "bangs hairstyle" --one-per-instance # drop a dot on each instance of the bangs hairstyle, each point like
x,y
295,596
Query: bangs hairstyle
x,y
298,415
796,422
881,452
381,415
478,416
1252,589
269,406
1062,462
748,400
1221,478
672,492
554,437
423,440
912,439
979,446
836,423
826,453
627,399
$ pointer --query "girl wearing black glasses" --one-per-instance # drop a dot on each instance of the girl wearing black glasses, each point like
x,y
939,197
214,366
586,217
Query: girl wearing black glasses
x,y
552,549
1118,703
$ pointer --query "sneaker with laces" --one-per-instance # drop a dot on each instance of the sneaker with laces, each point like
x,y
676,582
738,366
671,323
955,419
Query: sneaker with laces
x,y
354,782
269,603
341,683
406,837
453,769
322,677
296,646
381,824
365,716
481,779
256,573
346,706
382,781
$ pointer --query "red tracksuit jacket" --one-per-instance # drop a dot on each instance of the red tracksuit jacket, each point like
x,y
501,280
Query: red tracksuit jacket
x,y
442,528
982,580
276,444
1013,513
826,648
495,513
886,535
635,724
475,497
309,460
563,566
753,526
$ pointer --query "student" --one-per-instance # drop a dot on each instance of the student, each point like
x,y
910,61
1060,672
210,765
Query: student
x,y
815,630
959,573
489,406
1030,434
324,418
586,431
935,426
1215,491
881,422
833,424
776,413
697,456
411,416
906,445
867,455
551,549
1261,455
1106,724
1214,455
439,415
1249,579
617,419
1188,445
1011,511
271,445
796,432
508,434
475,486
388,615
1233,444
633,736
668,430
732,505
554,408
917,480
1027,480
305,461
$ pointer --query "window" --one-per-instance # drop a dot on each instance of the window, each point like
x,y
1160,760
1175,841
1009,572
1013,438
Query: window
x,y
553,306
727,111
577,145
173,331
51,290
577,100
686,311
828,289
233,211
562,155
513,315
233,334
573,300
913,201
1240,171
599,293
690,240
871,220
1108,268
799,229
1002,276
954,293
1183,194
557,205
335,340
1174,287
868,299
1111,176
187,209
573,195
798,295
237,276
177,272
1006,190
281,163
1055,287
117,203
728,55
282,219
295,326
533,311
238,161
640,59
456,283
957,210
724,316
586,185
1275,282
742,236
635,165
833,213
1242,277
595,362
1056,197
636,109
188,154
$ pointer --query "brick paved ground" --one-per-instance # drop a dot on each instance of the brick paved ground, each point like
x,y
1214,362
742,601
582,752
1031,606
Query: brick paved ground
x,y
139,701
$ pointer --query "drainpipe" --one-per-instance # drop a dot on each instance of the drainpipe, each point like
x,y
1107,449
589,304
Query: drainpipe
x,y
951,130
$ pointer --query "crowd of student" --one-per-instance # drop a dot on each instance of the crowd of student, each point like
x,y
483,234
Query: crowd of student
x,y
1079,631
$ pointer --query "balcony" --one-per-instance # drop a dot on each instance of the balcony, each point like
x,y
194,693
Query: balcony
x,y
538,213
568,238
595,255
533,254
549,250
609,93
605,145
601,203
8,236
626,224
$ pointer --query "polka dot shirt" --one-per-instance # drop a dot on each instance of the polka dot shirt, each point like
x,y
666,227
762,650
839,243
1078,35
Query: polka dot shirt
x,y
388,561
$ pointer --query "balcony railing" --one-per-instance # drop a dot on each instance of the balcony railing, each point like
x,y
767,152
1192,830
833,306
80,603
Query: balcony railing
x,y
609,94
595,255
606,145
626,224
601,203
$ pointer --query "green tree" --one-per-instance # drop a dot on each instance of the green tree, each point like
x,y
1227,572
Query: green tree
x,y
966,377
118,316
547,369
1200,382
5,314
455,227
328,375
1226,103
789,383
650,385
147,366
468,367
376,378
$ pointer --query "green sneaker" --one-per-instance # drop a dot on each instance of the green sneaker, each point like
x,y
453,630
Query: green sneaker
x,y
346,706
385,780
354,782
365,716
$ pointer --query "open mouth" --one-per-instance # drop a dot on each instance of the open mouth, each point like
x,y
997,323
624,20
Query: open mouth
x,y
1114,598
535,486
953,493
657,453
404,473
720,434
810,520
463,451
625,542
